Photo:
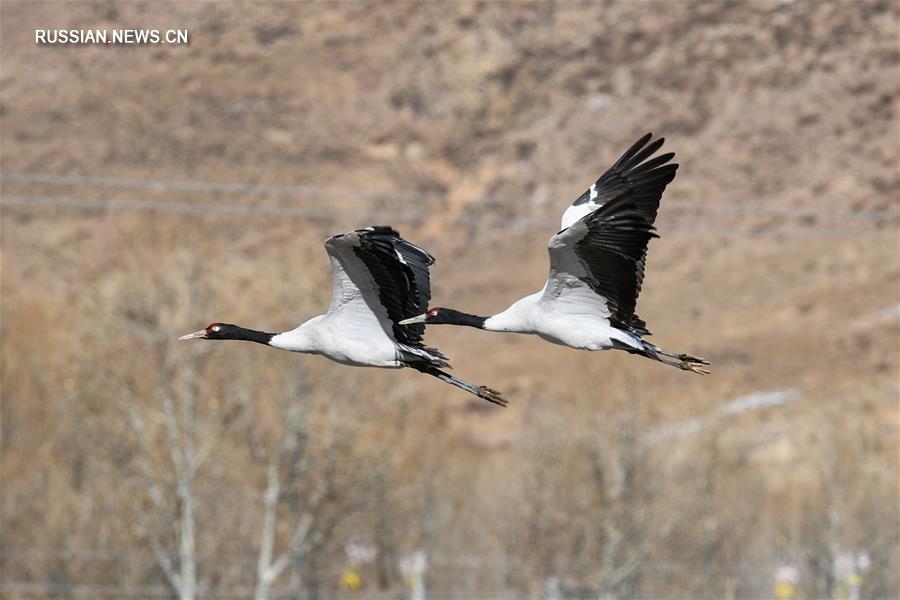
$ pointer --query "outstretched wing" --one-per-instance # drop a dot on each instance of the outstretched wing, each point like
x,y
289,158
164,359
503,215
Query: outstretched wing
x,y
646,180
376,266
603,252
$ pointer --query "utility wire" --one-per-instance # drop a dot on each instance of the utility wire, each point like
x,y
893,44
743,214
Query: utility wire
x,y
407,195
308,213
515,224
218,186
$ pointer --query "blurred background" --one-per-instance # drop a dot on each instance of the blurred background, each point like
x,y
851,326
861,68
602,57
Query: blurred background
x,y
149,190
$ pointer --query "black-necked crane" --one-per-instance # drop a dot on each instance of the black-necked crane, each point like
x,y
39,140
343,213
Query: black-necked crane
x,y
596,267
378,280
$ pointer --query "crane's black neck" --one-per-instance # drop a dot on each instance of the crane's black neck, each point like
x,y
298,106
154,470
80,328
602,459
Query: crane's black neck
x,y
226,331
448,316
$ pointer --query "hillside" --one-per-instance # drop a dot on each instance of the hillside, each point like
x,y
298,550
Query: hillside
x,y
469,127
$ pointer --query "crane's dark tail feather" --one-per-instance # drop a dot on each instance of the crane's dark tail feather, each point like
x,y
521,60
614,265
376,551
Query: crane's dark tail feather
x,y
481,391
419,354
685,362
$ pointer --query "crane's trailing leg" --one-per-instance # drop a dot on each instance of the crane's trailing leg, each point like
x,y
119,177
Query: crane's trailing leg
x,y
685,362
482,391
492,395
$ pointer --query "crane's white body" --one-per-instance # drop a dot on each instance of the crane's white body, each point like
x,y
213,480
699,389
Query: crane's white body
x,y
568,311
344,340
378,279
356,330
597,262
565,312
532,314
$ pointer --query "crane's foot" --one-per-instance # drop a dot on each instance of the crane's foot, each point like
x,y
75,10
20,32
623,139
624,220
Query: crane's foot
x,y
492,396
696,359
694,364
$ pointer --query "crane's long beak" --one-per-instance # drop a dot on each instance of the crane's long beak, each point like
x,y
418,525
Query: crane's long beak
x,y
197,334
420,319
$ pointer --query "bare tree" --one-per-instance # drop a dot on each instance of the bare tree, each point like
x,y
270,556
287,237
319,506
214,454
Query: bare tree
x,y
302,478
172,406
168,441
628,530
307,528
185,461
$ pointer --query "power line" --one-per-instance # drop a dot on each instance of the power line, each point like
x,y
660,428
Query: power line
x,y
775,211
308,213
514,224
224,187
408,195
